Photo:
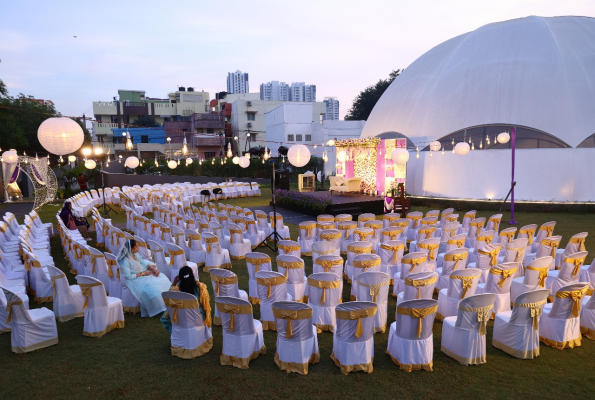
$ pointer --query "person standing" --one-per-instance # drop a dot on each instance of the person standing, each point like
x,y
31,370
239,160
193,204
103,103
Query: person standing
x,y
83,182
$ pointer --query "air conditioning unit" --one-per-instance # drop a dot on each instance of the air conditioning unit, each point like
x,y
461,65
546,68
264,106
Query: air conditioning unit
x,y
249,103
249,124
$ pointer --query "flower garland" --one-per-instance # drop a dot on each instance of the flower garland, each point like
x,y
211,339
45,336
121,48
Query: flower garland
x,y
358,142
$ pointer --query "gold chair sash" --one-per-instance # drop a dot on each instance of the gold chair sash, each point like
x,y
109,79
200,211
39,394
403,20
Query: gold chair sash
x,y
429,222
86,290
307,227
417,283
479,226
270,282
529,233
359,249
328,264
393,233
109,263
392,217
483,316
399,224
467,282
453,232
496,223
105,230
492,254
542,274
9,309
536,311
549,229
164,230
289,265
486,239
257,262
345,228
578,263
506,273
234,309
290,315
459,243
363,234
357,314
330,236
324,285
209,241
374,289
394,249
576,296
53,279
172,254
450,218
519,252
193,236
220,280
153,225
415,219
578,240
288,248
365,264
553,244
456,258
365,219
427,231
414,262
343,219
177,304
232,232
419,313
431,248
325,219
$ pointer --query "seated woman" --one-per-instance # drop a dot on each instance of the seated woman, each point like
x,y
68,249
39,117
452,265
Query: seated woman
x,y
73,222
185,282
143,279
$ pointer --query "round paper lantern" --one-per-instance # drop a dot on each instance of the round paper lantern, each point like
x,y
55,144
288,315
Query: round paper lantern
x,y
172,164
298,155
90,164
71,158
131,162
60,135
342,155
244,162
435,145
504,137
236,160
188,161
462,148
400,156
331,142
10,157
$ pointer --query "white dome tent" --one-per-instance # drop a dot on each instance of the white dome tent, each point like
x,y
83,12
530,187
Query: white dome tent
x,y
536,74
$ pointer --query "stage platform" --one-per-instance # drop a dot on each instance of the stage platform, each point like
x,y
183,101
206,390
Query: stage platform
x,y
354,204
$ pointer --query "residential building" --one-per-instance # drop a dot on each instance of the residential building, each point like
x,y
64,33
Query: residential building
x,y
237,82
332,108
274,91
299,91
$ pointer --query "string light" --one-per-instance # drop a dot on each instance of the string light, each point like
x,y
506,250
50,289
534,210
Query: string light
x,y
156,163
417,155
184,147
442,150
453,150
472,146
36,158
229,153
128,141
430,153
453,141
481,144
487,140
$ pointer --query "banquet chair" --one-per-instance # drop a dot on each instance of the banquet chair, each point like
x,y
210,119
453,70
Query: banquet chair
x,y
528,232
346,228
587,320
516,332
254,235
486,258
388,219
373,286
420,285
243,340
559,326
238,246
498,282
475,228
177,260
256,262
297,337
575,244
391,253
410,339
545,230
190,337
467,218
410,263
222,233
95,265
324,249
216,257
353,337
421,234
113,273
256,189
178,236
546,247
461,284
587,274
324,294
567,274
225,283
464,335
331,264
68,299
535,276
515,252
363,263
354,249
102,313
367,235
30,329
162,262
448,243
40,283
454,260
282,230
272,287
307,236
430,247
365,217
203,226
325,218
506,235
377,227
486,237
289,247
292,268
443,216
19,291
403,224
343,218
196,252
494,223
262,221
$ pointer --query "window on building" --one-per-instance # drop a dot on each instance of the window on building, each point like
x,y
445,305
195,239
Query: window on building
x,y
308,138
114,119
210,130
128,119
209,154
290,138
251,116
100,138
98,118
144,139
298,138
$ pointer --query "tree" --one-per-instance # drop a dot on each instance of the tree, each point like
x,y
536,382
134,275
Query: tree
x,y
146,120
365,101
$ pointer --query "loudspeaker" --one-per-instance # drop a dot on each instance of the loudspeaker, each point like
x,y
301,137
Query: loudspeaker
x,y
282,179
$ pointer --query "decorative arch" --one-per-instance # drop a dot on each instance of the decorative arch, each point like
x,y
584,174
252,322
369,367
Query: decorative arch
x,y
396,135
39,172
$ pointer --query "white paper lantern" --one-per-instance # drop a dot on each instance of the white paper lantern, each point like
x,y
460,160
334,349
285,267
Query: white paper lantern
x,y
504,137
60,135
400,156
342,155
462,148
435,145
244,162
298,155
172,164
236,160
90,164
131,162
10,157
71,158
188,161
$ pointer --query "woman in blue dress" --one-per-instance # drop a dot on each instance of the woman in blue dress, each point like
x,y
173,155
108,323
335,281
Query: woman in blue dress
x,y
143,279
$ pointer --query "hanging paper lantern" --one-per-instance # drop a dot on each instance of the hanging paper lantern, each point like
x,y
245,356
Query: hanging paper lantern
x,y
342,155
244,162
188,161
504,137
60,135
10,157
298,155
131,162
71,158
172,164
400,156
435,145
90,164
462,148
236,160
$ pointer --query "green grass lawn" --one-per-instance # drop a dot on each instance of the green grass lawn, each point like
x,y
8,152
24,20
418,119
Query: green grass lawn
x,y
136,361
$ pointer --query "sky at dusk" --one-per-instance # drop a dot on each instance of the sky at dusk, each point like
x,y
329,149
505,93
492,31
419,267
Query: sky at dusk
x,y
156,46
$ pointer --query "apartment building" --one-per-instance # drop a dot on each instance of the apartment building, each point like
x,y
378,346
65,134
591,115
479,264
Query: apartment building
x,y
237,82
332,108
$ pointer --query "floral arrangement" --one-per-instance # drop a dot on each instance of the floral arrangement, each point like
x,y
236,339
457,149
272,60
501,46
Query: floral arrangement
x,y
358,142
291,198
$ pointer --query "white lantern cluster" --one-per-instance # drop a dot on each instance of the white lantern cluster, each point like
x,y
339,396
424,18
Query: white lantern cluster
x,y
131,162
90,164
400,156
60,136
244,161
172,164
298,155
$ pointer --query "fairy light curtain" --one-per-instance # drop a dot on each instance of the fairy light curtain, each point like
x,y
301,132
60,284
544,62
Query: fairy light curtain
x,y
41,175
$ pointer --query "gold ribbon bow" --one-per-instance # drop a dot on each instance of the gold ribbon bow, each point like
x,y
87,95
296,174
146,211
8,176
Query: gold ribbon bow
x,y
495,222
578,263
576,296
467,283
578,240
492,254
328,264
365,264
109,263
392,233
9,309
308,228
86,291
172,254
357,314
486,239
210,240
289,265
415,219
431,247
231,233
456,258
395,250
359,249
374,289
479,226
288,248
330,236
290,315
419,313
176,304
536,311
362,234
418,283
257,262
506,273
529,233
324,285
414,262
219,280
234,309
270,282
519,252
553,244
105,230
549,229
542,274
325,219
459,243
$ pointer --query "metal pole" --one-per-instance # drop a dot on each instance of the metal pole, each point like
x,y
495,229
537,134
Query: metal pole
x,y
513,144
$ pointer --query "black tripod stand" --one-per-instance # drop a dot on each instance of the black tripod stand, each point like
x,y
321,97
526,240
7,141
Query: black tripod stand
x,y
274,234
104,209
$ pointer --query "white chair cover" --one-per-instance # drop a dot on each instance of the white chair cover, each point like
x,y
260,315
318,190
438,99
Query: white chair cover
x,y
68,299
256,262
216,257
575,244
420,285
454,260
559,326
391,253
461,284
225,283
272,287
290,247
238,246
354,249
307,237
499,282
568,273
373,286
196,252
324,294
587,318
535,277
177,260
410,263
324,249
102,313
292,268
